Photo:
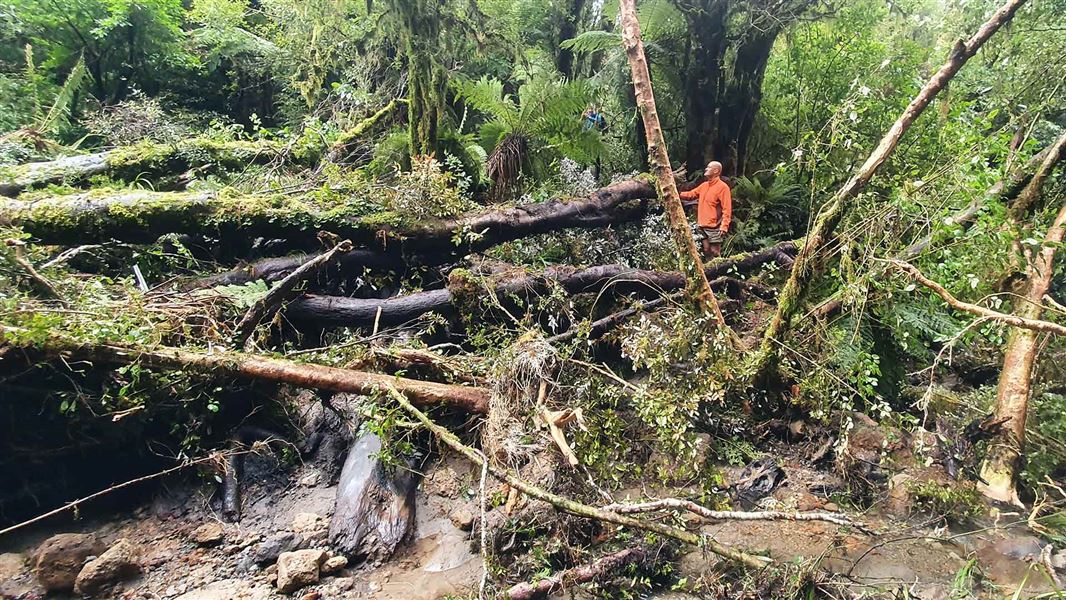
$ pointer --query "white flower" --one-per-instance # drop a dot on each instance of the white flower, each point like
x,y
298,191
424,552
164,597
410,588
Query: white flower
x,y
854,116
865,91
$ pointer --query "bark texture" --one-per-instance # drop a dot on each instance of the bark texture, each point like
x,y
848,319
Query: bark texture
x,y
803,271
1015,379
141,216
603,568
690,262
617,279
233,364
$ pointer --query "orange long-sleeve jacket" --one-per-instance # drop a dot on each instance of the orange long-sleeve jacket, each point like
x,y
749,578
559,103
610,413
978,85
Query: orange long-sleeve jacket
x,y
715,206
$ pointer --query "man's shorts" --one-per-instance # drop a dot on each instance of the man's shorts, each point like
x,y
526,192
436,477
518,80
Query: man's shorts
x,y
713,235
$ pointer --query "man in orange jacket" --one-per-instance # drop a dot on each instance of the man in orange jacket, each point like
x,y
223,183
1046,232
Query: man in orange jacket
x,y
714,211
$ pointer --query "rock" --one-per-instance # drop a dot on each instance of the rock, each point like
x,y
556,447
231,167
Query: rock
x,y
311,479
298,569
305,522
230,589
344,584
311,596
15,579
60,558
334,564
209,534
831,507
463,518
800,500
118,564
271,548
375,508
11,565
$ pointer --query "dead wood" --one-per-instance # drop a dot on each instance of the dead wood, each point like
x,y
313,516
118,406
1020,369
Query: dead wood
x,y
730,515
144,216
616,279
235,364
602,568
576,508
41,283
148,159
811,256
284,291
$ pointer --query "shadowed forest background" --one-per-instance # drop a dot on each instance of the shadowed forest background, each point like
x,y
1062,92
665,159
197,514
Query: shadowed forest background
x,y
263,258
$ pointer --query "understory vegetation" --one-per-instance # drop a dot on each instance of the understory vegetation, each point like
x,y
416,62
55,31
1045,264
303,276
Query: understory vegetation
x,y
491,232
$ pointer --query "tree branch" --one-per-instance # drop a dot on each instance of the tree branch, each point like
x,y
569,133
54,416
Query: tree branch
x,y
1034,324
576,508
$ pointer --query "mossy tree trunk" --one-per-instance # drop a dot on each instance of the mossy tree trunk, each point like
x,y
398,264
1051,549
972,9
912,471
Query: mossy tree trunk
x,y
688,256
1015,379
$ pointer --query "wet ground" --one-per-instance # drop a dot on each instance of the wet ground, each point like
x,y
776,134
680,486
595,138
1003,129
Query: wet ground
x,y
439,561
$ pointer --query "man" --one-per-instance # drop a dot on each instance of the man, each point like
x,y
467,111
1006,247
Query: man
x,y
714,210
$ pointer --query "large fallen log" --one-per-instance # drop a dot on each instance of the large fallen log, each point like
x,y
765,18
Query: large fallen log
x,y
234,364
145,159
143,216
357,312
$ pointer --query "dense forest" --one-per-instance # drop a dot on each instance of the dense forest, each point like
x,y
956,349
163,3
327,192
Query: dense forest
x,y
533,298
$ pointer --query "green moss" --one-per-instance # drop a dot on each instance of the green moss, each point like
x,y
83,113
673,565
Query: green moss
x,y
958,502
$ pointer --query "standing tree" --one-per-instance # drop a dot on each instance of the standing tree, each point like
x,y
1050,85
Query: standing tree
x,y
688,255
1015,379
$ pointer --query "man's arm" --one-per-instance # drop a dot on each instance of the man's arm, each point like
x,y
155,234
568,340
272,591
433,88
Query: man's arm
x,y
727,209
692,194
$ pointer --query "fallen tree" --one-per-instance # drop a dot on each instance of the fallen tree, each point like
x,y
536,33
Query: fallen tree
x,y
143,216
617,279
250,366
808,262
132,162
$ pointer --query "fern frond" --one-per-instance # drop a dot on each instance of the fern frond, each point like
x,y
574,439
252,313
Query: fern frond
x,y
660,19
593,41
486,95
64,100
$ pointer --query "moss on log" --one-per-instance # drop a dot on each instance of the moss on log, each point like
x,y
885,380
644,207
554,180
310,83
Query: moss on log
x,y
143,216
147,159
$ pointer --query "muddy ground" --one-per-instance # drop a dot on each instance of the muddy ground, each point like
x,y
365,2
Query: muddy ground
x,y
186,551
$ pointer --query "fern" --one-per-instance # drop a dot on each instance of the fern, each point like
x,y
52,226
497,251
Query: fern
x,y
660,19
593,41
64,100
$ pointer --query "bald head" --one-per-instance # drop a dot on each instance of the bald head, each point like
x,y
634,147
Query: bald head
x,y
713,170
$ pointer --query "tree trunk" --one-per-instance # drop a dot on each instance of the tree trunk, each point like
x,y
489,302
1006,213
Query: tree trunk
x,y
742,99
142,216
1015,380
795,289
567,21
690,262
146,159
233,364
356,312
703,80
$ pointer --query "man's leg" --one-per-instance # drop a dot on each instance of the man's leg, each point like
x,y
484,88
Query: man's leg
x,y
706,248
713,250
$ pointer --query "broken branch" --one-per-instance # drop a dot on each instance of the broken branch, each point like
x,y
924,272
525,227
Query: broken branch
x,y
576,508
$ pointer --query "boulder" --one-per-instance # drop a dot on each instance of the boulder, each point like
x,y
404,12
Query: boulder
x,y
209,534
270,549
60,558
463,518
333,565
118,564
375,506
299,569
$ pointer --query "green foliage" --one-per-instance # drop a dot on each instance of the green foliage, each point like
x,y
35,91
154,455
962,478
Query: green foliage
x,y
545,115
959,503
